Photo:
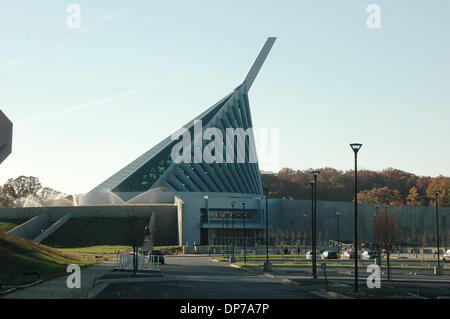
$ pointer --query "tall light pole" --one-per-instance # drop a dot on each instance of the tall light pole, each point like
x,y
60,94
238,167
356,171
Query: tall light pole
x,y
223,234
232,259
304,230
356,147
436,193
267,264
245,237
337,225
315,174
207,216
228,236
313,248
445,231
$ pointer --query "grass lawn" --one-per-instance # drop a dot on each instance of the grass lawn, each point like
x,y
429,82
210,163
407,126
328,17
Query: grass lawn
x,y
307,263
105,249
111,249
18,255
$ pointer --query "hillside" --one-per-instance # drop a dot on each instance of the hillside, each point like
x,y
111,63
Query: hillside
x,y
18,255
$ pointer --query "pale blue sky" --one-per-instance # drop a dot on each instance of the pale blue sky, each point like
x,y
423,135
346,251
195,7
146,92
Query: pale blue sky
x,y
136,71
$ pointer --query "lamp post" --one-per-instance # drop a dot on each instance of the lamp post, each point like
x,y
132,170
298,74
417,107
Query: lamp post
x,y
207,217
313,248
356,147
337,225
315,174
304,230
232,259
223,234
436,193
245,237
228,236
445,231
267,264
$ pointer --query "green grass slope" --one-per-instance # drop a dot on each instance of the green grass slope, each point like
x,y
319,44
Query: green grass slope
x,y
19,255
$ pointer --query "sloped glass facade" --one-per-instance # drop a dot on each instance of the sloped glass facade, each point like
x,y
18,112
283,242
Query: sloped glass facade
x,y
155,168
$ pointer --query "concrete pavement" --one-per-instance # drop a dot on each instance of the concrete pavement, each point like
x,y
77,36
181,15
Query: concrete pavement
x,y
198,277
57,288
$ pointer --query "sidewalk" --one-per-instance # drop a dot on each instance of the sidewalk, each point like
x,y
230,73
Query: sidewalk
x,y
57,288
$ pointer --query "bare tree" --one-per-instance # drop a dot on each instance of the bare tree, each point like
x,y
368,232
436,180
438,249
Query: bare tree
x,y
135,235
386,232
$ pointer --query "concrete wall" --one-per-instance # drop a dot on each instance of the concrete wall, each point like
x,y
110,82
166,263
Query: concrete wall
x,y
414,222
55,213
179,223
54,227
166,226
31,228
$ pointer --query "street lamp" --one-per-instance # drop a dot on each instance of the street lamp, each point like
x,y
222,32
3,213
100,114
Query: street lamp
x,y
245,237
267,264
304,231
445,231
315,174
313,248
436,193
223,234
207,217
356,147
227,235
232,259
337,225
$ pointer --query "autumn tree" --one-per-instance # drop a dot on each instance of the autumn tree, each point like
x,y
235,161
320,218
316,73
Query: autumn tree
x,y
441,184
382,196
386,233
413,197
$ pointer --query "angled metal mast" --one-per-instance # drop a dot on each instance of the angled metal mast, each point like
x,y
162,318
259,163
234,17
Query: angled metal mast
x,y
254,70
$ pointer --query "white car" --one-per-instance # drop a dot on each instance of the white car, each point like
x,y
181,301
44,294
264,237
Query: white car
x,y
446,257
329,255
309,255
369,254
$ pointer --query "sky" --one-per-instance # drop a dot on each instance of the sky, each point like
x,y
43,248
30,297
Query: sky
x,y
87,101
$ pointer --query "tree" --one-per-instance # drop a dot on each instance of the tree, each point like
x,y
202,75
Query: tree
x,y
14,191
386,231
441,184
413,197
134,234
381,196
47,194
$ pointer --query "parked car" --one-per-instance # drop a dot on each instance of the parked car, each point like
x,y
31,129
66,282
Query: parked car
x,y
446,257
369,254
309,255
348,254
329,255
159,255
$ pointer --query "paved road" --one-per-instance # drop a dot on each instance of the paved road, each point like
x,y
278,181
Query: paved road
x,y
200,278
